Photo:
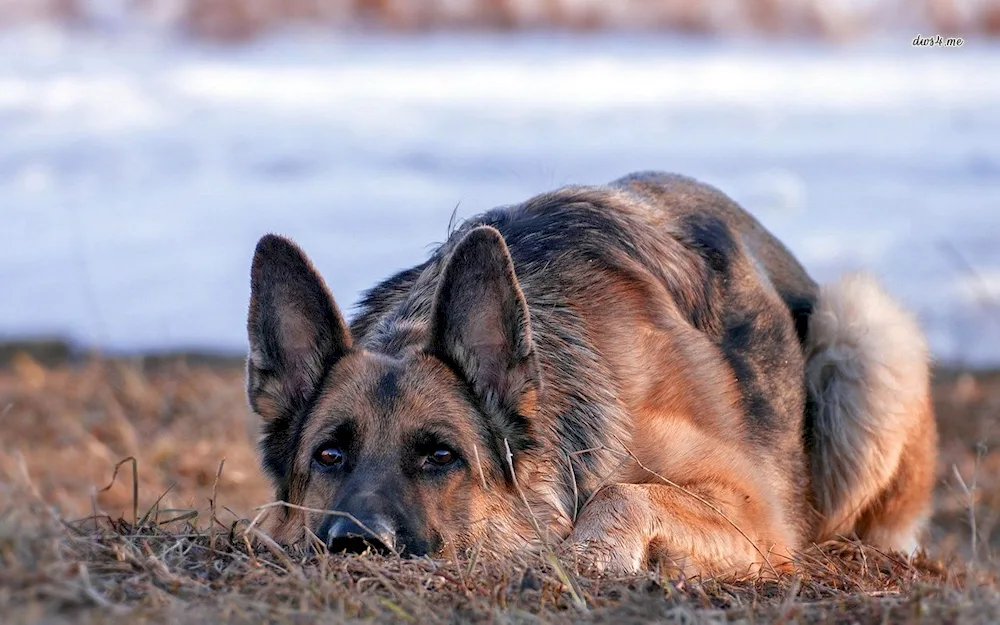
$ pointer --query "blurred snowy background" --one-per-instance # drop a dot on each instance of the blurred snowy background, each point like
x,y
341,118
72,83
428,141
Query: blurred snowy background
x,y
145,145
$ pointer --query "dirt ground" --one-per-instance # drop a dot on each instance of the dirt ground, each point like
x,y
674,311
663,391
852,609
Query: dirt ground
x,y
77,545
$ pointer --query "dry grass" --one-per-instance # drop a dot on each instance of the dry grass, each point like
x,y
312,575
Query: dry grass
x,y
180,551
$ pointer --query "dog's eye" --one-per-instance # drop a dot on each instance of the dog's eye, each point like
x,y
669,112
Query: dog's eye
x,y
441,457
329,456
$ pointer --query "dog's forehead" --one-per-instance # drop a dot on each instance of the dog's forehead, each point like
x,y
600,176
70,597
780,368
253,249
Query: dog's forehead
x,y
386,396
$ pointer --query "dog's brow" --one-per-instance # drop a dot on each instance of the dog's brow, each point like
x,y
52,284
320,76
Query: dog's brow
x,y
432,433
344,431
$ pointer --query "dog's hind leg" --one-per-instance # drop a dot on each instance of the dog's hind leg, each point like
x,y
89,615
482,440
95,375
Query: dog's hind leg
x,y
870,427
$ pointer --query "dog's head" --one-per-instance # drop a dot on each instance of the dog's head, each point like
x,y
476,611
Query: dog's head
x,y
404,452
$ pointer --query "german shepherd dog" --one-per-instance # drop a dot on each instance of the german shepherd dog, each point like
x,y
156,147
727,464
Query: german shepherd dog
x,y
636,374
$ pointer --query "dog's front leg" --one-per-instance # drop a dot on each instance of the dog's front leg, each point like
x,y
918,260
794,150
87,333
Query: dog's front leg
x,y
709,531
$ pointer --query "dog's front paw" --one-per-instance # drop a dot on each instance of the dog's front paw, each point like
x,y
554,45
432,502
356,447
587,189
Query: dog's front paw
x,y
610,536
603,557
608,542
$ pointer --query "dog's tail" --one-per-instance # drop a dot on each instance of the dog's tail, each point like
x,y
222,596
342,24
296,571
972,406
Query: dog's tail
x,y
871,432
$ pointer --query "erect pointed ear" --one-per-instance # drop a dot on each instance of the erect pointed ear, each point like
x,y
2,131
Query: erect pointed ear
x,y
296,331
480,325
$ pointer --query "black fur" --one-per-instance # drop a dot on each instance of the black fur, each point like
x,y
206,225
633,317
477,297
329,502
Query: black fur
x,y
387,389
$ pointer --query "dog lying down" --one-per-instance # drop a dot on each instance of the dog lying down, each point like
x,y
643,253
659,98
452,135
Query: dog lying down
x,y
638,373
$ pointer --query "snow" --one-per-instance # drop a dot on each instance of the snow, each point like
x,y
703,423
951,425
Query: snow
x,y
137,174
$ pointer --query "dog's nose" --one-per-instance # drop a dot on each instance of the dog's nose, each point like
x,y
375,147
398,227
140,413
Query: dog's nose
x,y
357,536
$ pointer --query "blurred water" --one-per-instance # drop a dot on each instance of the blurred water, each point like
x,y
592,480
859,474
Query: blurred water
x,y
136,175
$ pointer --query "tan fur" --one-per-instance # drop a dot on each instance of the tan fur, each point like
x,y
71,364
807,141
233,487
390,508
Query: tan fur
x,y
719,514
689,496
867,372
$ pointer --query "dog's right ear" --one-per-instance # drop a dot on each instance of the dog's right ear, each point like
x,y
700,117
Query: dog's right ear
x,y
295,330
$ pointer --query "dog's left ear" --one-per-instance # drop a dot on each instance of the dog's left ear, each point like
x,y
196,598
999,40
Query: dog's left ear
x,y
480,325
295,330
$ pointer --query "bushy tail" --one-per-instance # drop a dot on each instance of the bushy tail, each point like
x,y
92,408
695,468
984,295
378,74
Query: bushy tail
x,y
873,438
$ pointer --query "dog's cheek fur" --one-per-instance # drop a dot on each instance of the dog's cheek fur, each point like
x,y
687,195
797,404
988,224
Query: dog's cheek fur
x,y
442,511
496,522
